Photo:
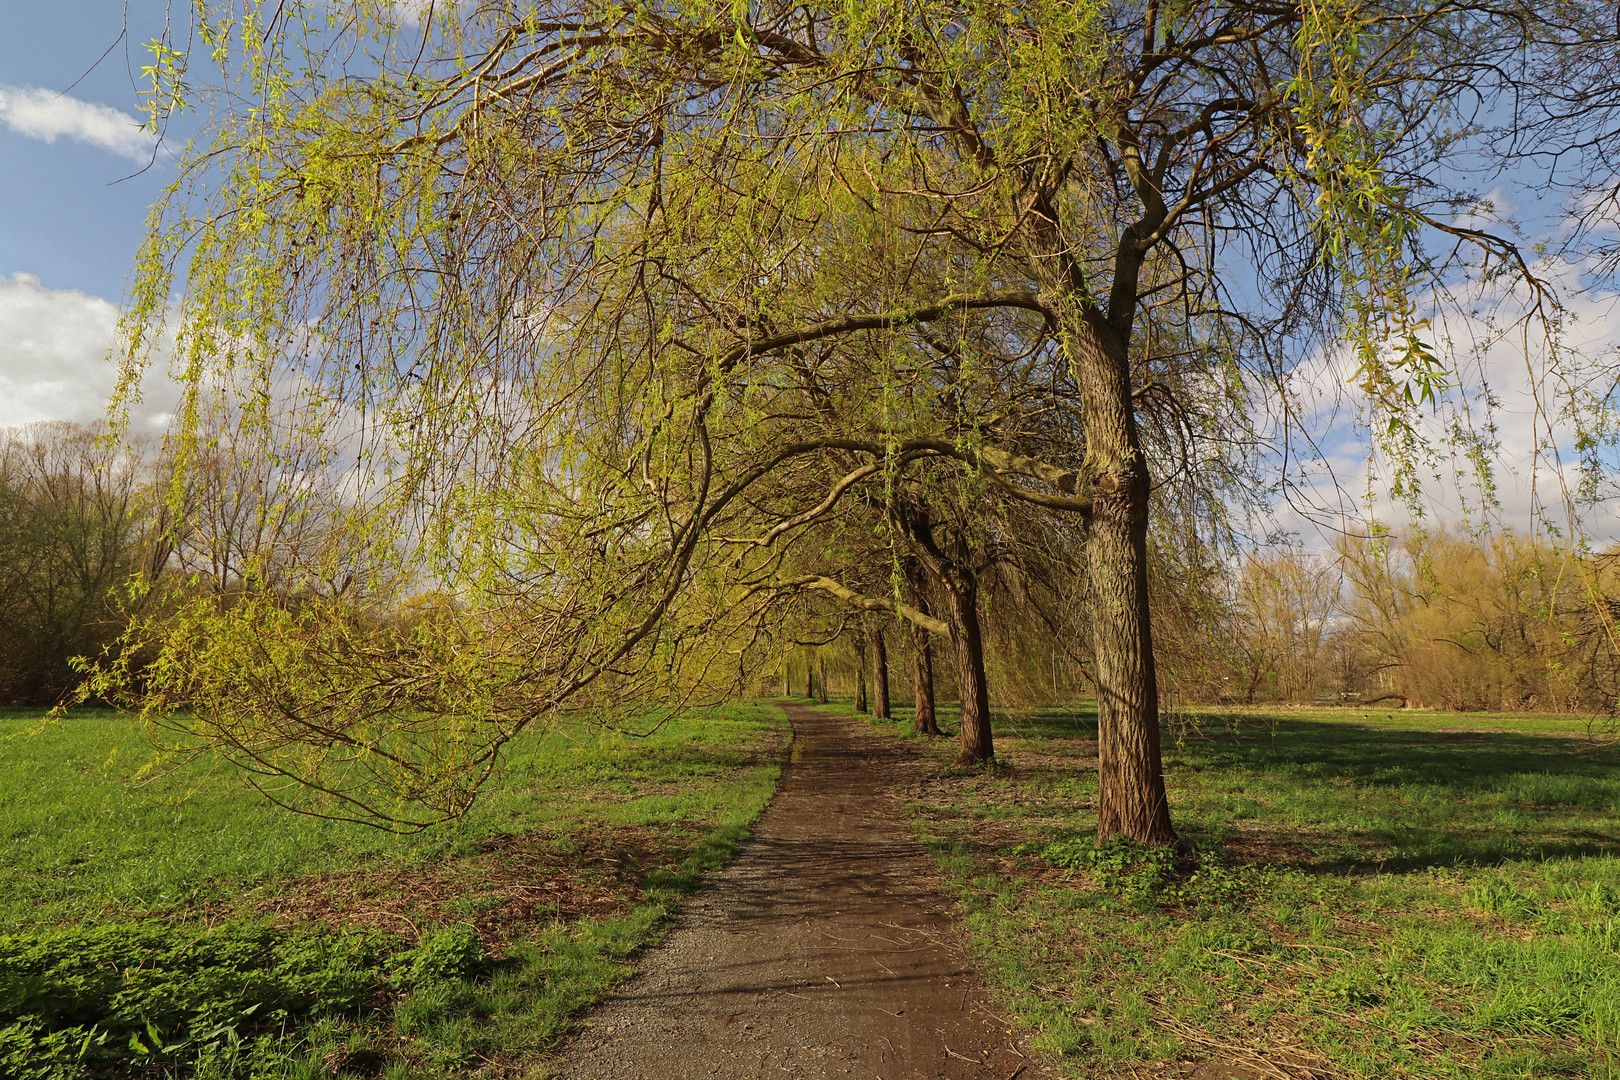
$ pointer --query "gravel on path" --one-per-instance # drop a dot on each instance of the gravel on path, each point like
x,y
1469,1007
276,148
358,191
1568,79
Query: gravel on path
x,y
825,949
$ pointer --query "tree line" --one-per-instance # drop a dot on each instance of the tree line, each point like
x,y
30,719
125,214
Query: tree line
x,y
1423,618
1437,618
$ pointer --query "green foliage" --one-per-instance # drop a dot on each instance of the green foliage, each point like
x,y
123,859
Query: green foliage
x,y
1138,872
1033,229
82,1001
450,953
247,1000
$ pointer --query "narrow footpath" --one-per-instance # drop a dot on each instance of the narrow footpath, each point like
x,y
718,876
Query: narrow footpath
x,y
825,949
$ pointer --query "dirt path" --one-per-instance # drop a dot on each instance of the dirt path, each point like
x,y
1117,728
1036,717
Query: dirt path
x,y
825,949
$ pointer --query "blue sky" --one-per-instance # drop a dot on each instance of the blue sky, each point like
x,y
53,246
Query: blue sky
x,y
76,179
75,208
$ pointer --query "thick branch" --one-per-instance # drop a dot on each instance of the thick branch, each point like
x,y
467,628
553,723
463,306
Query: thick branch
x,y
869,603
888,320
844,484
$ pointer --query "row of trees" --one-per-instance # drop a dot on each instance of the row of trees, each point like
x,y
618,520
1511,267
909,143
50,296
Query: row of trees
x,y
1489,620
1433,619
1426,618
663,338
1420,619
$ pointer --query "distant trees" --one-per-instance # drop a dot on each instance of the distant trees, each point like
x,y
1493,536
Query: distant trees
x,y
1285,607
1426,618
95,532
76,524
1499,621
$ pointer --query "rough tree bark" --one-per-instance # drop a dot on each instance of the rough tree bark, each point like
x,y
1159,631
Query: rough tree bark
x,y
922,654
926,723
860,672
821,681
967,646
880,671
951,569
1097,336
1131,797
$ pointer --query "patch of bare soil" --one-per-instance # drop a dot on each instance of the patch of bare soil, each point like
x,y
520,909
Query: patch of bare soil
x,y
825,949
1257,846
514,884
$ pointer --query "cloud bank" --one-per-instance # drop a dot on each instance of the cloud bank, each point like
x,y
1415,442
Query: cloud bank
x,y
47,116
1512,394
54,345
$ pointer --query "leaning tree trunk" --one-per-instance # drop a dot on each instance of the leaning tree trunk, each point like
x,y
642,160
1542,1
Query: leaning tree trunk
x,y
880,671
860,674
967,647
1131,797
922,657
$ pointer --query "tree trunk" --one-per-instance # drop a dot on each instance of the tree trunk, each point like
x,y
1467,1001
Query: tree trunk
x,y
951,568
967,645
860,673
821,682
922,656
1131,797
809,678
923,678
880,671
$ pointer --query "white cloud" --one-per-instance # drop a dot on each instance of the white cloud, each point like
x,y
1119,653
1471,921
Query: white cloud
x,y
1533,456
412,13
47,116
54,345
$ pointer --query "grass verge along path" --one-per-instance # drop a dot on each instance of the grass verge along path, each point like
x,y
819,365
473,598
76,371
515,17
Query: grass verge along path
x,y
171,924
1371,895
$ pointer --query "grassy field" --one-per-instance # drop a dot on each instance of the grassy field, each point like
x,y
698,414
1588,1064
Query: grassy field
x,y
173,924
1370,894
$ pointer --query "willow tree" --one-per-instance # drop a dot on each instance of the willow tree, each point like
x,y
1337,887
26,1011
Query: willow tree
x,y
562,266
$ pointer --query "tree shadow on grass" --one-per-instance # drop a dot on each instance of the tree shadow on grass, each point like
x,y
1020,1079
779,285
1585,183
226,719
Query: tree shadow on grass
x,y
1352,796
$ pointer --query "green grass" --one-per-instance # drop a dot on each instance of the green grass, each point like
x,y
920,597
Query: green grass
x,y
1368,895
244,941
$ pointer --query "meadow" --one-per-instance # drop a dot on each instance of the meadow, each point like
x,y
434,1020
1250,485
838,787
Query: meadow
x,y
164,921
1362,894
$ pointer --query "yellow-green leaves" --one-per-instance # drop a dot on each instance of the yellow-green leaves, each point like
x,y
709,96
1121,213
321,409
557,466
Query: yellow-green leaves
x,y
164,91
